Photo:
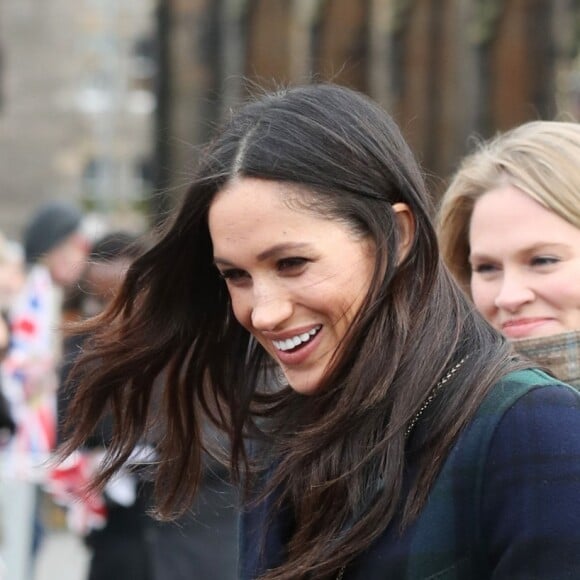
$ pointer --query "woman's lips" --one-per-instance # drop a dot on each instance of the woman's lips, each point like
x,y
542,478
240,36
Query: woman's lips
x,y
298,356
523,327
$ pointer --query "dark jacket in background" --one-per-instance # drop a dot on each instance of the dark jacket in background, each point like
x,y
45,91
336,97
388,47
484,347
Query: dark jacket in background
x,y
200,545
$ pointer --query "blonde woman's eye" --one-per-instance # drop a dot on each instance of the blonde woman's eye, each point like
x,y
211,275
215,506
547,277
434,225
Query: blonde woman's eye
x,y
483,268
544,260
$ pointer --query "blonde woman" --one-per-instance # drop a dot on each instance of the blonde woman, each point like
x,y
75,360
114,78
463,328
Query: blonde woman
x,y
509,229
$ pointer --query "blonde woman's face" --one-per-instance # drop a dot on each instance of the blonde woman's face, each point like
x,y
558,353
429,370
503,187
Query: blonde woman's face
x,y
525,264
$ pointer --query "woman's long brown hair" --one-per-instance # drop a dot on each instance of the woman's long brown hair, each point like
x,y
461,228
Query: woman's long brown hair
x,y
326,455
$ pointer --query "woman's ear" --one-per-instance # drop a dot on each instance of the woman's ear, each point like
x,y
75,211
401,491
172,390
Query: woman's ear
x,y
406,223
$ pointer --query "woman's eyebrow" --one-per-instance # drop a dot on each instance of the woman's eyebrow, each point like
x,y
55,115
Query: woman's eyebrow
x,y
266,254
279,248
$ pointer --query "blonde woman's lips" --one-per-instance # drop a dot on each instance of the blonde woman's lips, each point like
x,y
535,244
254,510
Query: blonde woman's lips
x,y
523,327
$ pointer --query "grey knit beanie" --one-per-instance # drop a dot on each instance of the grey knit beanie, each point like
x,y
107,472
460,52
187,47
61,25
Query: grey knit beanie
x,y
50,225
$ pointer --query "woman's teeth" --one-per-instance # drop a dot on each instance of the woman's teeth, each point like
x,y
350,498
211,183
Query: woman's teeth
x,y
295,341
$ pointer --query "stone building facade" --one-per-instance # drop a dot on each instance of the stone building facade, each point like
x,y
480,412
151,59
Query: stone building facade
x,y
74,120
75,105
446,69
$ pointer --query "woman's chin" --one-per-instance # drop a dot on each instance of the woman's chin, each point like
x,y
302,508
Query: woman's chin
x,y
303,385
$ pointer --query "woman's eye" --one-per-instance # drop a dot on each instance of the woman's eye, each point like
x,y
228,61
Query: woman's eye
x,y
233,274
291,263
544,260
483,268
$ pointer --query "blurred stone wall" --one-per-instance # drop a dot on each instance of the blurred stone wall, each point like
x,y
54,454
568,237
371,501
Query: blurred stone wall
x,y
70,102
446,69
36,131
75,119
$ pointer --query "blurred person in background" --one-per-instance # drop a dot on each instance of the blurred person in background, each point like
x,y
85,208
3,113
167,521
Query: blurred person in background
x,y
11,272
54,240
203,543
115,525
509,229
11,280
55,251
7,425
127,542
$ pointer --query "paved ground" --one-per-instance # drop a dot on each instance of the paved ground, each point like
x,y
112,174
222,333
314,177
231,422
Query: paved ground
x,y
62,557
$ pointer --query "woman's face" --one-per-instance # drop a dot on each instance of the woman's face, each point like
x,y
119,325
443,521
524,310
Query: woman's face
x,y
296,280
525,264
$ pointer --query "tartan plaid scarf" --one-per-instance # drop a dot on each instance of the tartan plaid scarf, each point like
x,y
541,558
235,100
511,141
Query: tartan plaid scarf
x,y
559,353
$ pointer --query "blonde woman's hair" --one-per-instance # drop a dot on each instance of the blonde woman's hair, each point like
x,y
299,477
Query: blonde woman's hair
x,y
541,158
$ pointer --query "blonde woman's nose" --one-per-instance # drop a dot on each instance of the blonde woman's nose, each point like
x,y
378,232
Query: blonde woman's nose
x,y
514,292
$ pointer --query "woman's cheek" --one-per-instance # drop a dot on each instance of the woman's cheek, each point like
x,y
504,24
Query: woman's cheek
x,y
481,294
241,309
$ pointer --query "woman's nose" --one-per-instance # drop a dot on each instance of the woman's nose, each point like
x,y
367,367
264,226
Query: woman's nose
x,y
513,293
270,310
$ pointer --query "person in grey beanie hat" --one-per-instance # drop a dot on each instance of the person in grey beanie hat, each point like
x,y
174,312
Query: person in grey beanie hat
x,y
51,224
53,237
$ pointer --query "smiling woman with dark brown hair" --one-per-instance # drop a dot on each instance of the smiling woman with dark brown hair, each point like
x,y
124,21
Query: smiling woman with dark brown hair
x,y
406,439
